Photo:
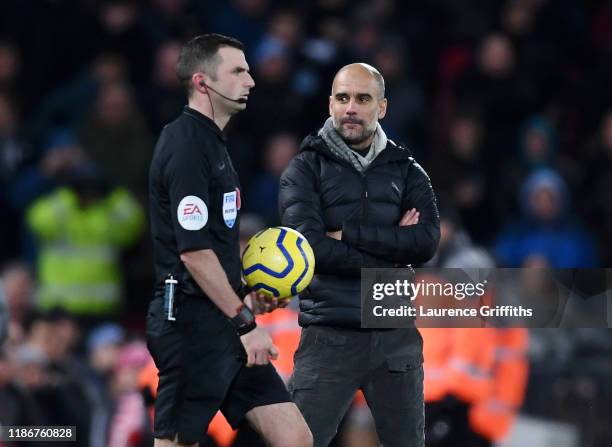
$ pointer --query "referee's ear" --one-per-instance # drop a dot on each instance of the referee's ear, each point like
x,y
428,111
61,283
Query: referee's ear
x,y
199,83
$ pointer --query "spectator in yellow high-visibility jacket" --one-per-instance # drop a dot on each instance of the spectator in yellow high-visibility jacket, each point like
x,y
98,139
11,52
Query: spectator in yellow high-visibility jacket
x,y
80,230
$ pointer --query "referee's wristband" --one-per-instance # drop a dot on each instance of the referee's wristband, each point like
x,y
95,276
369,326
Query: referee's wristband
x,y
244,322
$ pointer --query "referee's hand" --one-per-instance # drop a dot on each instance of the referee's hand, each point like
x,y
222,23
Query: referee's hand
x,y
259,347
261,304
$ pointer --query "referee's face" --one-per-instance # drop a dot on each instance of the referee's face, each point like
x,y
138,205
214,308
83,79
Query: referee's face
x,y
233,80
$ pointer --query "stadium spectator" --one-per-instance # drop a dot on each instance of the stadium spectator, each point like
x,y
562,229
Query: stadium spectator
x,y
595,200
17,288
4,318
18,404
165,20
44,370
118,29
538,148
10,64
459,172
244,19
103,348
262,197
161,98
406,114
116,130
60,154
15,153
129,420
68,104
496,84
546,231
80,230
272,66
456,249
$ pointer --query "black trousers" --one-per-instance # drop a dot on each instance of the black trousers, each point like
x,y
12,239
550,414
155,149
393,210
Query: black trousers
x,y
332,364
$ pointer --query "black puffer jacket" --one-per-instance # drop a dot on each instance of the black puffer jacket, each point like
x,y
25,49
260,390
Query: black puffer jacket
x,y
319,192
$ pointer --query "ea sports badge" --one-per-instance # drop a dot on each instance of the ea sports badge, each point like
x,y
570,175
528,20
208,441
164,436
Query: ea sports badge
x,y
230,208
192,213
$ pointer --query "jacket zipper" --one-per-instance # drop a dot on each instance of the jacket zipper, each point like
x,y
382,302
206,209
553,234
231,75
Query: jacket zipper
x,y
364,198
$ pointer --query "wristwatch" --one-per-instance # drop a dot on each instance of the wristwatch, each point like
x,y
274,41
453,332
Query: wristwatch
x,y
244,322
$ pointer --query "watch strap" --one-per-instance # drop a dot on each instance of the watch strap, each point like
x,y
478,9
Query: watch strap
x,y
244,321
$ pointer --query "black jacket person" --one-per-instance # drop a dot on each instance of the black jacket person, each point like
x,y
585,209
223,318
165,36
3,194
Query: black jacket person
x,y
361,201
321,192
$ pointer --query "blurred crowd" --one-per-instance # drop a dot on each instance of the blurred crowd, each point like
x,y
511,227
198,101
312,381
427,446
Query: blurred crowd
x,y
506,104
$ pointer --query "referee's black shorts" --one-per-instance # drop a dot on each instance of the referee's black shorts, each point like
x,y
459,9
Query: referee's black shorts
x,y
201,365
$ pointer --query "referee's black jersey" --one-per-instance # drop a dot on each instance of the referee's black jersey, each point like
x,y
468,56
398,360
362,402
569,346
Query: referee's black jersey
x,y
194,199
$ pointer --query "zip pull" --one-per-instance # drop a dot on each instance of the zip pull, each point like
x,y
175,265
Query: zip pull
x,y
364,197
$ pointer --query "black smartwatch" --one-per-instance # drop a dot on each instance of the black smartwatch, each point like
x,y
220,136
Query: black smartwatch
x,y
244,322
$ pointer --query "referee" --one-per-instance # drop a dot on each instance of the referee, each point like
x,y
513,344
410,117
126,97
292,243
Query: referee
x,y
203,338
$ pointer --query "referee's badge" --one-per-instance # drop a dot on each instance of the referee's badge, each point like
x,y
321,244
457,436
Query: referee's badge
x,y
230,208
192,213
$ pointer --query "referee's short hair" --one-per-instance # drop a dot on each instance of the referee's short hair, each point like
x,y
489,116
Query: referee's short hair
x,y
202,54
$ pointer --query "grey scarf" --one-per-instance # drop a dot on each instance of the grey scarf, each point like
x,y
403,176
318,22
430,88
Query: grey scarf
x,y
337,145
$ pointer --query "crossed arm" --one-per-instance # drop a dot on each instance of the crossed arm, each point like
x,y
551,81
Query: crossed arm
x,y
358,246
411,217
415,239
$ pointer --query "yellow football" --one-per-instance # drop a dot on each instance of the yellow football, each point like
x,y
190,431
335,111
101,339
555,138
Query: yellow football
x,y
278,262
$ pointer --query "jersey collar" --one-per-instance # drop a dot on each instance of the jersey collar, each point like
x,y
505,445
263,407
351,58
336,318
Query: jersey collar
x,y
204,120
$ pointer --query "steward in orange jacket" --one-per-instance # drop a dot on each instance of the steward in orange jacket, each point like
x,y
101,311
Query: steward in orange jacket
x,y
475,381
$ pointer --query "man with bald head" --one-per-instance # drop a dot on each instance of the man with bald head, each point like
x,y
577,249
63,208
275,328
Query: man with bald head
x,y
361,201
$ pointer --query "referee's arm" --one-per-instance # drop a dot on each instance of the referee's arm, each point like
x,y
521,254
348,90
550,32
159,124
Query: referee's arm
x,y
187,176
206,269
